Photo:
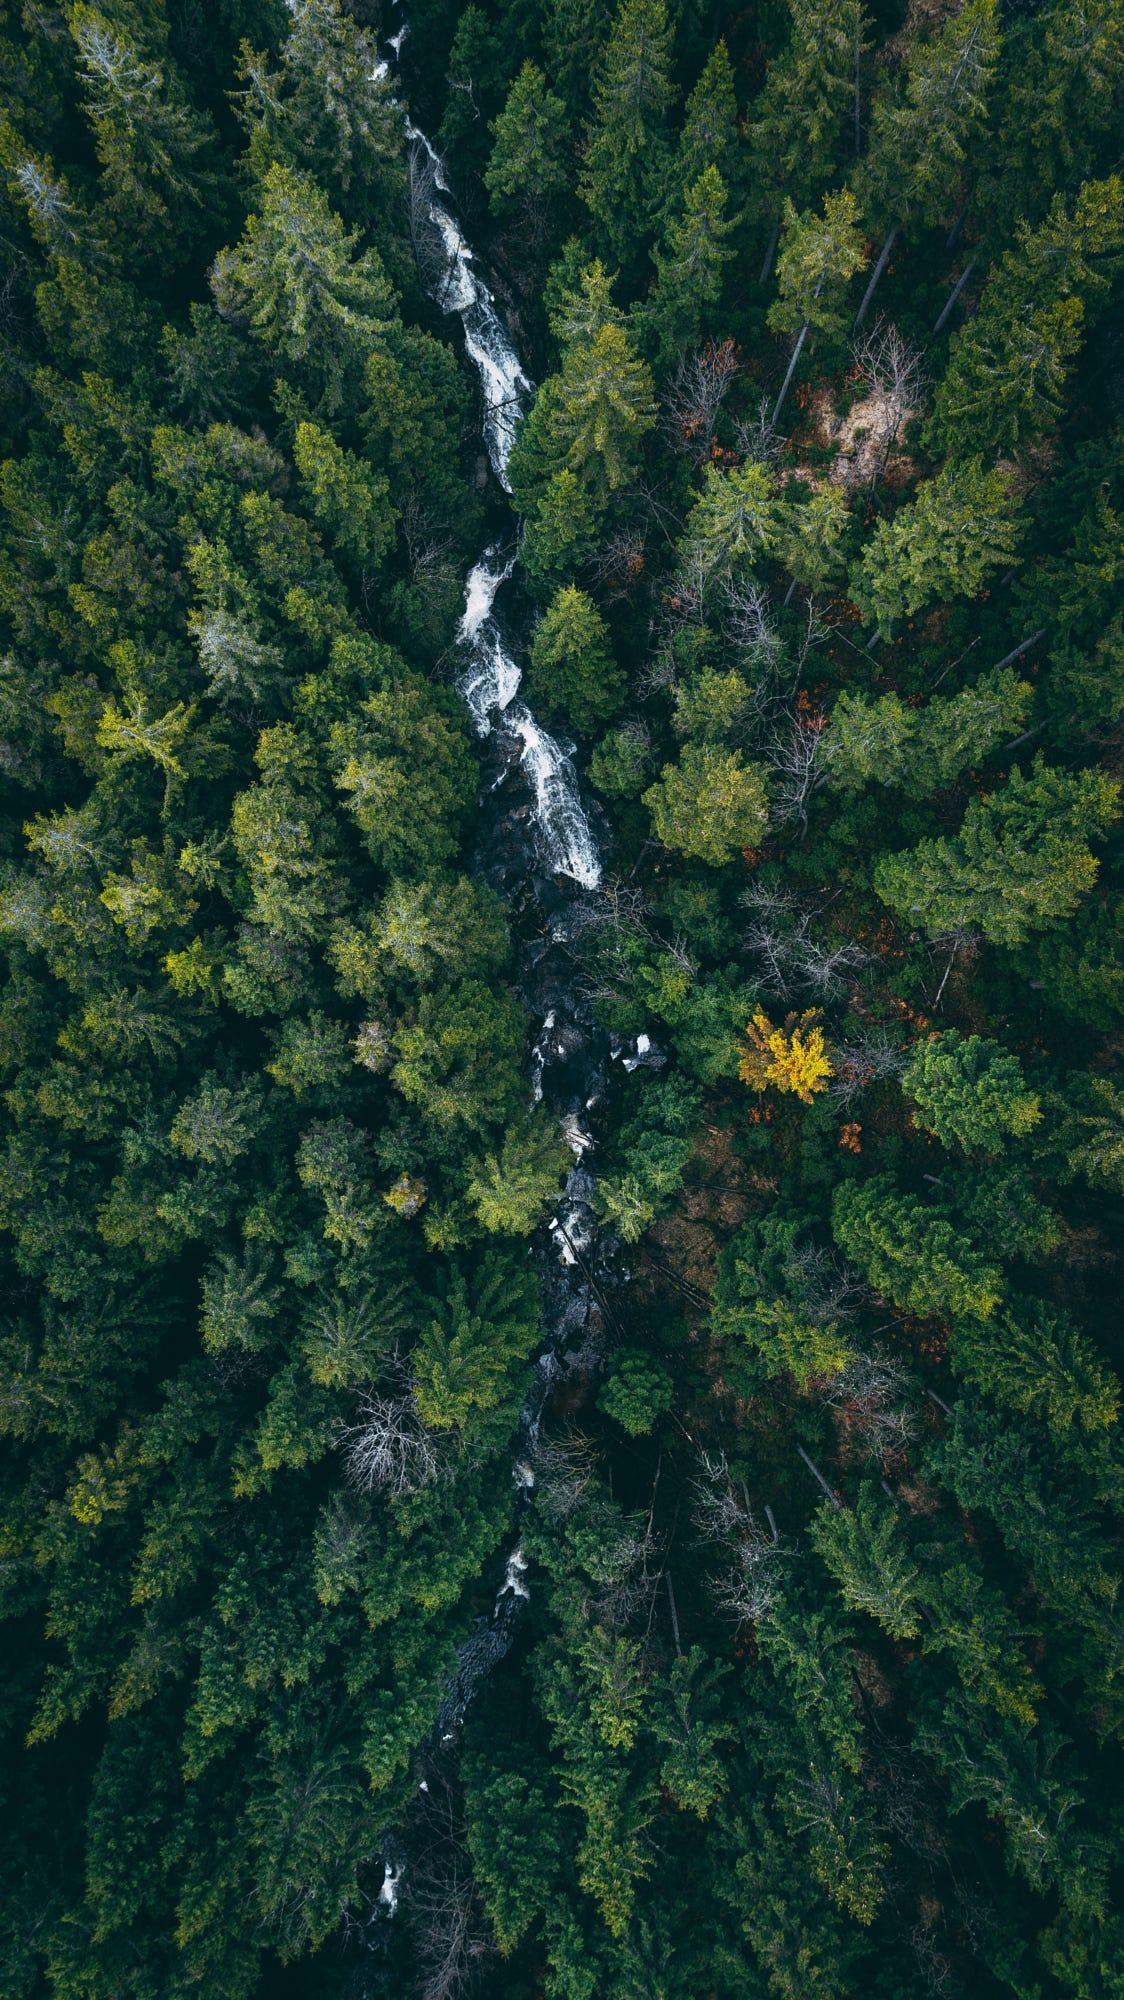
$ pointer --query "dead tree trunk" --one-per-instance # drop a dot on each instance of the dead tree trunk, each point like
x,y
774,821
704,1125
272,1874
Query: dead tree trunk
x,y
883,259
955,293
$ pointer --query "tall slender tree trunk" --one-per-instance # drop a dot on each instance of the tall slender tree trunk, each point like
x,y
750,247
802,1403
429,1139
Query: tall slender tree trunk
x,y
956,227
763,276
794,358
883,259
671,1605
955,293
817,1475
1009,659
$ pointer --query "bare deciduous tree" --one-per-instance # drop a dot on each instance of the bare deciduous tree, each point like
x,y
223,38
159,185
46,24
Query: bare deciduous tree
x,y
451,1934
564,1465
867,1058
695,395
388,1449
620,563
796,764
746,1586
828,1290
870,1395
758,437
896,383
789,957
426,242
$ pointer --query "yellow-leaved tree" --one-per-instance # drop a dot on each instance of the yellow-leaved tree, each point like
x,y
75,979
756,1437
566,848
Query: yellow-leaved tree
x,y
791,1058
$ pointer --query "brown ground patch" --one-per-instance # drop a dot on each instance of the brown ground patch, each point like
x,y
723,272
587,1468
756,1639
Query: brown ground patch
x,y
860,439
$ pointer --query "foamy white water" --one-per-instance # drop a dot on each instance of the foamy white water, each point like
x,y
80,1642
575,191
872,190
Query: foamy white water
x,y
563,827
489,678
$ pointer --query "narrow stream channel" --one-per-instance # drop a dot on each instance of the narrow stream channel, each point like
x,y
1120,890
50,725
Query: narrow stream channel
x,y
537,848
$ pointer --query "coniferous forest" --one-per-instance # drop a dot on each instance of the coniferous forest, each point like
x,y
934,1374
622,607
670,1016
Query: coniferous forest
x,y
562,1012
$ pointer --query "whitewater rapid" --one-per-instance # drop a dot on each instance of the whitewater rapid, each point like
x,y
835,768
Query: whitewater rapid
x,y
488,678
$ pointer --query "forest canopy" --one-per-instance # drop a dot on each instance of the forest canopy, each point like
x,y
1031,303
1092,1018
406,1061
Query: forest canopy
x,y
560,1247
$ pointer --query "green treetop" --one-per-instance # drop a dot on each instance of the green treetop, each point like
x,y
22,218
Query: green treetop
x,y
709,137
530,167
300,281
330,109
970,1092
349,500
1007,373
1035,1359
919,750
573,673
926,124
912,1254
626,156
945,543
797,122
1020,861
818,258
689,268
586,428
154,149
709,804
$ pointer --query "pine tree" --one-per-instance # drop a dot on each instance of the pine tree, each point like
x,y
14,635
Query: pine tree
x,y
1034,1358
1007,373
925,127
709,804
627,152
592,418
303,286
816,264
155,151
509,1188
810,97
970,1092
709,137
689,269
347,499
911,1253
1020,861
920,750
530,167
945,543
866,1552
573,675
330,111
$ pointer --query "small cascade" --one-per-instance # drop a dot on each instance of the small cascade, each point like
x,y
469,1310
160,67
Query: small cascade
x,y
489,678
388,1894
568,845
460,289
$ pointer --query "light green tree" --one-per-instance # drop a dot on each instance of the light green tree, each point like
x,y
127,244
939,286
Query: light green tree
x,y
510,1188
818,259
1020,861
349,499
709,804
912,1254
970,1092
956,531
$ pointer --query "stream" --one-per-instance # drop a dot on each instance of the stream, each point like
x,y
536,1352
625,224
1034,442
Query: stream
x,y
537,848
